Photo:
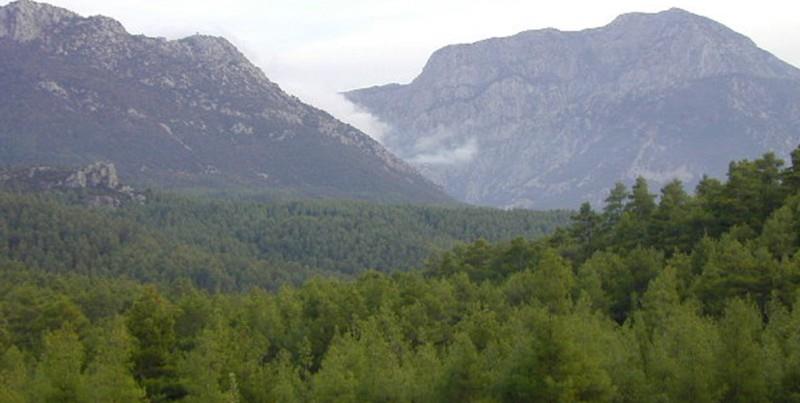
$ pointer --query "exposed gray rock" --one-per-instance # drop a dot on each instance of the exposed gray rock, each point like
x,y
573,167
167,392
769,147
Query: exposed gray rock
x,y
78,90
26,20
97,175
98,182
547,118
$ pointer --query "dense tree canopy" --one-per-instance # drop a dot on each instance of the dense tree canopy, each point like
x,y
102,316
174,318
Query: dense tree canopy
x,y
669,299
234,245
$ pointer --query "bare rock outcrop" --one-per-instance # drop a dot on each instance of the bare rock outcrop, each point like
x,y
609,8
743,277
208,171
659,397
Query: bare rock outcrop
x,y
98,184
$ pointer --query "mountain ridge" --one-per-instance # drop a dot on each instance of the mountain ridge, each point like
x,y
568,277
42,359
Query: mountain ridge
x,y
548,95
175,113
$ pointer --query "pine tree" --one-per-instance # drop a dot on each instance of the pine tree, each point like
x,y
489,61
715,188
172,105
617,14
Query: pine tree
x,y
681,361
753,191
204,369
555,361
13,377
641,202
58,377
108,376
670,222
614,205
151,321
284,381
463,375
781,234
661,300
791,176
741,358
553,282
585,229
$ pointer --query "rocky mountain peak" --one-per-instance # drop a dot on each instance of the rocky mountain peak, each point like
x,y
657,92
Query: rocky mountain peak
x,y
26,20
673,15
674,27
187,112
212,48
683,45
637,52
107,25
544,116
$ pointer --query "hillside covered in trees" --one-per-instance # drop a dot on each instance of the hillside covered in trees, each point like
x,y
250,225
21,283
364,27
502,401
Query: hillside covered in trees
x,y
667,298
234,245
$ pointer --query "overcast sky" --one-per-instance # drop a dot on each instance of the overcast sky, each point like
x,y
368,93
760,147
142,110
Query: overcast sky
x,y
314,49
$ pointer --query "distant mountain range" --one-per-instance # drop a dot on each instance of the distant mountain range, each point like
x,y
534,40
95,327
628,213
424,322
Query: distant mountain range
x,y
187,113
547,118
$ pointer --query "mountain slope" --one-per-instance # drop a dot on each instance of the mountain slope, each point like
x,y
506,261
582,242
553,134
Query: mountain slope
x,y
547,118
187,113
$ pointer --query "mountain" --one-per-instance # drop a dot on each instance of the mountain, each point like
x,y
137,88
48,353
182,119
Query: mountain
x,y
188,113
547,118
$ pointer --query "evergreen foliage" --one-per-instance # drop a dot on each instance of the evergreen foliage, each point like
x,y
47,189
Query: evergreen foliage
x,y
235,245
701,305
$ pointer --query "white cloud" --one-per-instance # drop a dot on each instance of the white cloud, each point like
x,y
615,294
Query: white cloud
x,y
447,156
344,110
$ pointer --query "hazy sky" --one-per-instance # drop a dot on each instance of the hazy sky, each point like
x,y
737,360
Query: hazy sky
x,y
314,49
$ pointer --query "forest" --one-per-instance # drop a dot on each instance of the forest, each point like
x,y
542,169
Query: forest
x,y
667,297
233,245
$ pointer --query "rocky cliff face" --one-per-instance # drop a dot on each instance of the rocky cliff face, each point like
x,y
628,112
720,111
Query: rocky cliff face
x,y
192,112
548,118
